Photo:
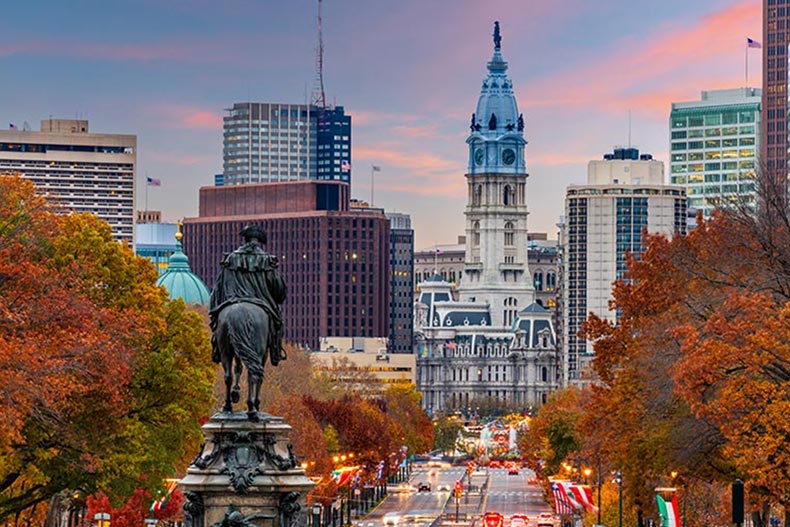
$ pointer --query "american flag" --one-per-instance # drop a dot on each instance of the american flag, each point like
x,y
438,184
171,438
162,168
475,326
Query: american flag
x,y
151,182
345,165
561,503
753,44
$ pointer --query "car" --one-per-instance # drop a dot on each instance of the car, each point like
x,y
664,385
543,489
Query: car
x,y
391,518
512,471
424,487
519,520
545,519
443,487
493,519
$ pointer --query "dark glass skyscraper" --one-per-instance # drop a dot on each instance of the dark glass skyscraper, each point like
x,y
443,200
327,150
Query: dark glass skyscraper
x,y
776,37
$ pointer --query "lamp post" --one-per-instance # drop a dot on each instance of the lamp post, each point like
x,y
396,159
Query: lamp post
x,y
599,491
620,498
316,515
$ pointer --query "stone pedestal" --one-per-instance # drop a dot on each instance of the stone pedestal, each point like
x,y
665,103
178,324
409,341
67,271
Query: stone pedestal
x,y
245,475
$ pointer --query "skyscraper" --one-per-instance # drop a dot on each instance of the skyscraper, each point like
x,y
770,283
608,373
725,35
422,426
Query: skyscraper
x,y
625,194
77,170
269,142
714,145
401,284
776,38
335,260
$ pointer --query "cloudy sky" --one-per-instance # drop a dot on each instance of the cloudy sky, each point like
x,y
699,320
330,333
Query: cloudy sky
x,y
408,71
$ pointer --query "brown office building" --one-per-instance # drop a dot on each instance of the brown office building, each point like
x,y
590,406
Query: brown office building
x,y
776,37
335,260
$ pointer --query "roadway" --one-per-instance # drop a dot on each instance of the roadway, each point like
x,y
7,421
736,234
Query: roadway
x,y
507,494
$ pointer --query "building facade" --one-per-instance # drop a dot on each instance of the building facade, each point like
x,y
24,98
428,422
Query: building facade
x,y
157,242
625,195
401,337
776,39
494,343
270,142
714,148
335,261
448,262
77,170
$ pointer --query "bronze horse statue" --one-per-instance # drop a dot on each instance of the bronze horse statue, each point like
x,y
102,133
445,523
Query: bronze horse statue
x,y
245,318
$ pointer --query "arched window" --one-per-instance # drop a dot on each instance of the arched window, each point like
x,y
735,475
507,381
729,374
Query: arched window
x,y
477,195
476,234
509,234
551,281
537,280
507,195
544,374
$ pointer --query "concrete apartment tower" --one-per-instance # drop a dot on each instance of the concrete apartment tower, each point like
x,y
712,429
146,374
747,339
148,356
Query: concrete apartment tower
x,y
77,170
714,146
625,195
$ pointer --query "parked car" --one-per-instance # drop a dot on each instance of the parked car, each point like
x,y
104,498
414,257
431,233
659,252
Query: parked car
x,y
424,487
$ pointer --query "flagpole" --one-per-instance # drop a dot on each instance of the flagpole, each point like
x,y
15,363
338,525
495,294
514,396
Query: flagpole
x,y
146,191
746,64
371,185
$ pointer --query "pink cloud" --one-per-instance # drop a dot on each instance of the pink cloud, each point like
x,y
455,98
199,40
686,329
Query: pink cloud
x,y
673,64
186,117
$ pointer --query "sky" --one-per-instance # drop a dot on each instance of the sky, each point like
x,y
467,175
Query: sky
x,y
408,71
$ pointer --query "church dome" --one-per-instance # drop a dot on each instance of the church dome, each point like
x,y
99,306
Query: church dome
x,y
179,280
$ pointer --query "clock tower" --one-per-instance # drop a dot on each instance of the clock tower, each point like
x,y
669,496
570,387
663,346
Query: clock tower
x,y
495,268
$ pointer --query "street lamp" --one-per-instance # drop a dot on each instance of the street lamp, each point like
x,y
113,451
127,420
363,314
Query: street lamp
x,y
619,480
316,515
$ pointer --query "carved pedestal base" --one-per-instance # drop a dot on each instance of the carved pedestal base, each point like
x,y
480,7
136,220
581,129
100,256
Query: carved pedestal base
x,y
245,475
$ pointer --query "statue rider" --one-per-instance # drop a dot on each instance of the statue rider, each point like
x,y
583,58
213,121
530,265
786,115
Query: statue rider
x,y
249,275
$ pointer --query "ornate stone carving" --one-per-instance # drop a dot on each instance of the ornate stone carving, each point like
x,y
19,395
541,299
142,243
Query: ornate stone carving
x,y
193,509
281,462
243,457
234,518
289,509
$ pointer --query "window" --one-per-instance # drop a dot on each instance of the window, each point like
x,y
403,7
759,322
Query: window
x,y
509,234
507,196
476,234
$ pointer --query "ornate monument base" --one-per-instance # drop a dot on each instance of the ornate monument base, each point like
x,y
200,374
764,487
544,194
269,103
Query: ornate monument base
x,y
245,475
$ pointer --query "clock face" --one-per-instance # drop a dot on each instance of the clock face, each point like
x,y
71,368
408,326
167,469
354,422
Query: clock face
x,y
508,156
479,156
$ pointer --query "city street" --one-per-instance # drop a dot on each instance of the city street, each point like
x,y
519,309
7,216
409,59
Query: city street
x,y
506,494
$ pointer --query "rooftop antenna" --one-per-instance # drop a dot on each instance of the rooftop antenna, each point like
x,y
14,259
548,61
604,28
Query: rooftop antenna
x,y
629,128
319,97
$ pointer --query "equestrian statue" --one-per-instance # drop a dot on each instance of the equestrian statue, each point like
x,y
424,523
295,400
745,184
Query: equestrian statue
x,y
246,323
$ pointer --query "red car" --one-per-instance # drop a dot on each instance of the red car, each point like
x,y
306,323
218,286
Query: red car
x,y
512,471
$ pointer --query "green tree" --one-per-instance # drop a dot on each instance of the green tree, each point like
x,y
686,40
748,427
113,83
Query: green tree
x,y
445,433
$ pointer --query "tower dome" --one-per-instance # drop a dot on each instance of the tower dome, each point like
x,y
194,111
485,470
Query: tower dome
x,y
496,142
179,280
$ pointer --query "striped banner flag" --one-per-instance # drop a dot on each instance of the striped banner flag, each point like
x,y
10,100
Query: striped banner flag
x,y
561,503
565,487
668,511
583,494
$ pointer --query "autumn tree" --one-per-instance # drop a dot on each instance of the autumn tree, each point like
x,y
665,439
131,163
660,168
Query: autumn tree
x,y
103,378
402,404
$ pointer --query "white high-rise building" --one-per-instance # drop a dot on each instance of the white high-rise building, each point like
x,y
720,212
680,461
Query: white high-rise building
x,y
625,195
714,144
77,170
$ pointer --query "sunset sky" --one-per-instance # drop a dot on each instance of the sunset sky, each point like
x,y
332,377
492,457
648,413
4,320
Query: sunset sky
x,y
408,71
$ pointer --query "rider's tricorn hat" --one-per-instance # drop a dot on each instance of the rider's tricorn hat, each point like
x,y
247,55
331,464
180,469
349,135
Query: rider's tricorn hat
x,y
253,231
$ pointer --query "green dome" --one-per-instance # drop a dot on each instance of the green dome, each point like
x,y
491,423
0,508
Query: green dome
x,y
179,280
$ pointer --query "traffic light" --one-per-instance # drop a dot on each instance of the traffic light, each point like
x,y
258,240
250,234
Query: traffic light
x,y
458,490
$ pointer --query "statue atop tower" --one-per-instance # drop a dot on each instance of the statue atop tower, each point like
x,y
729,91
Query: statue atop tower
x,y
497,36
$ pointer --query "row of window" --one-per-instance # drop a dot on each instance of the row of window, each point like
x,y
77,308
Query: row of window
x,y
713,119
